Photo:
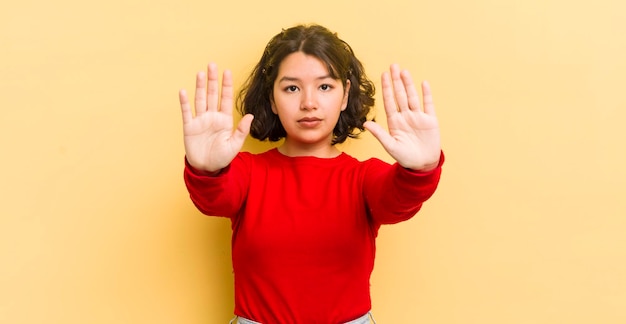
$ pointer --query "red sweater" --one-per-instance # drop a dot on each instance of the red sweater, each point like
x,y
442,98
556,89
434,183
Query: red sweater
x,y
304,229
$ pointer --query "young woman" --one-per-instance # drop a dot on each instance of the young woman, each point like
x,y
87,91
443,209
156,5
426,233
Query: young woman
x,y
304,215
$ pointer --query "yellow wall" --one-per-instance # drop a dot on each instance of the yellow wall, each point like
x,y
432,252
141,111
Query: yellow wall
x,y
527,227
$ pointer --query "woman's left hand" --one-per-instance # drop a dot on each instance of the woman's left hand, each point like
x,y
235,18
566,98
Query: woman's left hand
x,y
413,138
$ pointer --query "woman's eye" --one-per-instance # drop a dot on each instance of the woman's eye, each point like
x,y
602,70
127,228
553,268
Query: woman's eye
x,y
291,89
325,87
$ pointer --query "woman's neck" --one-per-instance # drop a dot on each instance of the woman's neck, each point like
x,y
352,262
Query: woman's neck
x,y
320,151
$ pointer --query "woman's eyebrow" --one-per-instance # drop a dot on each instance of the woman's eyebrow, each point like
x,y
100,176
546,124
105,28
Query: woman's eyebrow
x,y
291,79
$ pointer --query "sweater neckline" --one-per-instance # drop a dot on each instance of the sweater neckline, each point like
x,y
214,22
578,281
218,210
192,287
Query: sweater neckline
x,y
274,152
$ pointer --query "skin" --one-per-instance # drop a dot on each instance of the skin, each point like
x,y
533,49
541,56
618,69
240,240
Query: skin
x,y
211,143
413,139
308,102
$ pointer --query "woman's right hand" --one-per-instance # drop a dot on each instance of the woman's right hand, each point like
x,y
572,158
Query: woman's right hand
x,y
210,142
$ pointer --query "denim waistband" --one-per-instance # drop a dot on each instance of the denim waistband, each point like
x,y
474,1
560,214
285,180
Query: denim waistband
x,y
365,319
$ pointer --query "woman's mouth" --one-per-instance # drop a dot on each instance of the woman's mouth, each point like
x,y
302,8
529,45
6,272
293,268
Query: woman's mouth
x,y
309,122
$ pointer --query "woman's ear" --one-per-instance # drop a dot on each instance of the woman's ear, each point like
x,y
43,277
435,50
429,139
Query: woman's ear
x,y
272,104
346,94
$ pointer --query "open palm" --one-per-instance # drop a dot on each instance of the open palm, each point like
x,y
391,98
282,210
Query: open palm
x,y
413,138
210,142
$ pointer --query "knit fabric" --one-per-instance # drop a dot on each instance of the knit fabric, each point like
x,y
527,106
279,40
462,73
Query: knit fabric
x,y
304,229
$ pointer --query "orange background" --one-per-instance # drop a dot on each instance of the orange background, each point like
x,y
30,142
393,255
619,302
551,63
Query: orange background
x,y
527,226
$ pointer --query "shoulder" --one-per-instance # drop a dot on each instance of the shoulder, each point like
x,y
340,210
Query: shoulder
x,y
252,157
252,161
376,165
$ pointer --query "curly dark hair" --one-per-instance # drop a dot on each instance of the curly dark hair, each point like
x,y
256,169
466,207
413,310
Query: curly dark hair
x,y
256,95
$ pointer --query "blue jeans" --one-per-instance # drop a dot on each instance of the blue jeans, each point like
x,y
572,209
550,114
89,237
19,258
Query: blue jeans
x,y
365,319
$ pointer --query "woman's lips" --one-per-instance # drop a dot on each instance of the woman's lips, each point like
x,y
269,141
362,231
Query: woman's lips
x,y
309,122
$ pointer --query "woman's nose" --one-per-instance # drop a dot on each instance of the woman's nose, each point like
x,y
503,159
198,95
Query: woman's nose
x,y
308,101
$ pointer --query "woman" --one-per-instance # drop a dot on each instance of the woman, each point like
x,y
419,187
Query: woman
x,y
305,215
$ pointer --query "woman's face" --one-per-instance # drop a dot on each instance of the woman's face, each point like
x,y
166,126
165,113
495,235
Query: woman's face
x,y
308,101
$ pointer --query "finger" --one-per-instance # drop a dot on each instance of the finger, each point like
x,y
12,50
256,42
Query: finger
x,y
380,133
212,91
200,97
429,105
243,129
411,92
398,87
389,100
226,103
184,105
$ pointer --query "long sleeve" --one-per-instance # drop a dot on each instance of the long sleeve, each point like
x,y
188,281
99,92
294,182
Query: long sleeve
x,y
394,194
223,194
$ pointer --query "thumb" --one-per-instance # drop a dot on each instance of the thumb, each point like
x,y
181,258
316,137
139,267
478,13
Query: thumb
x,y
380,133
243,129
